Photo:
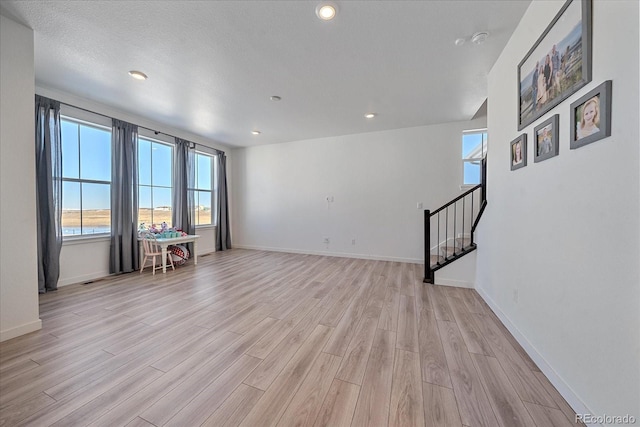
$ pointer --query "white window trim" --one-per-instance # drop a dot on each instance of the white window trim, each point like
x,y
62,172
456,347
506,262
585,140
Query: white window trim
x,y
85,122
464,186
151,186
74,239
86,238
213,190
206,226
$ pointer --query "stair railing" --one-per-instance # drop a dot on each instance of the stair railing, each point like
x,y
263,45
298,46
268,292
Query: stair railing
x,y
459,215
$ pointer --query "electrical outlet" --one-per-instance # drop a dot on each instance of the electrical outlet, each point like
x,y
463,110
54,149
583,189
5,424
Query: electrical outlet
x,y
353,241
420,205
515,295
326,240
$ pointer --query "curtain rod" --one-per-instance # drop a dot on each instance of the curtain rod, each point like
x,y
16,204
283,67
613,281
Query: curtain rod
x,y
143,127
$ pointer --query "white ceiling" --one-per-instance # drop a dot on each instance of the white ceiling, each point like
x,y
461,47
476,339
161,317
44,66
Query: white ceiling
x,y
213,65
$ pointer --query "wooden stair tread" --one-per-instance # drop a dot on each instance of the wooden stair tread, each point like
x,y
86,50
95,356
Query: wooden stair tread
x,y
435,259
463,242
448,250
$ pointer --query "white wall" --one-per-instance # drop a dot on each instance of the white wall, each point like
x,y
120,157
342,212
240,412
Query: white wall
x,y
376,180
88,259
18,268
563,233
461,273
84,260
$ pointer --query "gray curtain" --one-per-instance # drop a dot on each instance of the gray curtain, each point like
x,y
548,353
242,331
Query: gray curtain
x,y
124,198
223,238
48,192
183,183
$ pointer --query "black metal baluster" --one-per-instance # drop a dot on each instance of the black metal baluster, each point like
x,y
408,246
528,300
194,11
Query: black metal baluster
x,y
484,178
463,212
427,247
455,219
446,233
471,241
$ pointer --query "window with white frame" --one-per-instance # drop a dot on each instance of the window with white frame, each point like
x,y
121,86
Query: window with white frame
x,y
205,189
155,181
474,148
86,178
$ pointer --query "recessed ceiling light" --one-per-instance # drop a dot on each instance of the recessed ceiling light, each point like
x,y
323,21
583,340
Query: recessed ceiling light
x,y
138,75
275,98
459,42
326,11
370,115
480,37
255,132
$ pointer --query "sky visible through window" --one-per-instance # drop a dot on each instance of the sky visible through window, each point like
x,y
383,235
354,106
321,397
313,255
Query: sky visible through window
x,y
203,187
91,161
155,179
160,175
86,187
86,173
474,146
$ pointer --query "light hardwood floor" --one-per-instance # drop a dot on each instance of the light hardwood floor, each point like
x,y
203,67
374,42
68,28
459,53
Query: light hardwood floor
x,y
256,339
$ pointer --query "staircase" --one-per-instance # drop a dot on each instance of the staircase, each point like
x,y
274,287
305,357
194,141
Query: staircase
x,y
449,230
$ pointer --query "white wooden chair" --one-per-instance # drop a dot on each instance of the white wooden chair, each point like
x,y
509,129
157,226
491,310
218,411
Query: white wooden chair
x,y
152,250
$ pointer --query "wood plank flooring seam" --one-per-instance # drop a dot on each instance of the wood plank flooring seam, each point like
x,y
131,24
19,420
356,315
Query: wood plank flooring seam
x,y
392,351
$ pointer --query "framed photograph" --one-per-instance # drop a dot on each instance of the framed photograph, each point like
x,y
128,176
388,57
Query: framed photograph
x,y
558,64
591,116
519,152
546,139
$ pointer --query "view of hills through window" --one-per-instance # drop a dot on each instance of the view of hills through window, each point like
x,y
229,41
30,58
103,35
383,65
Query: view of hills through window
x,y
86,178
155,180
203,189
86,182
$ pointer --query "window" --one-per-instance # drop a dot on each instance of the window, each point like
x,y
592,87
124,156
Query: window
x,y
155,181
86,178
474,148
205,189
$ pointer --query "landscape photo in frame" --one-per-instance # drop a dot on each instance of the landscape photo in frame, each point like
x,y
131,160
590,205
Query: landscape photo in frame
x,y
558,64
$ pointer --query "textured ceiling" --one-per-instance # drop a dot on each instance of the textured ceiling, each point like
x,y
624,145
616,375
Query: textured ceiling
x,y
213,65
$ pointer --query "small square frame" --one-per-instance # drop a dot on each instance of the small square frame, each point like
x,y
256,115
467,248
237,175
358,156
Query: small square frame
x,y
520,142
600,99
543,149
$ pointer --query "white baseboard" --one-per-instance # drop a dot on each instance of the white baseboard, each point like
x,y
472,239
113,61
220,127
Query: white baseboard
x,y
563,388
82,278
329,253
102,274
20,330
453,282
439,280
